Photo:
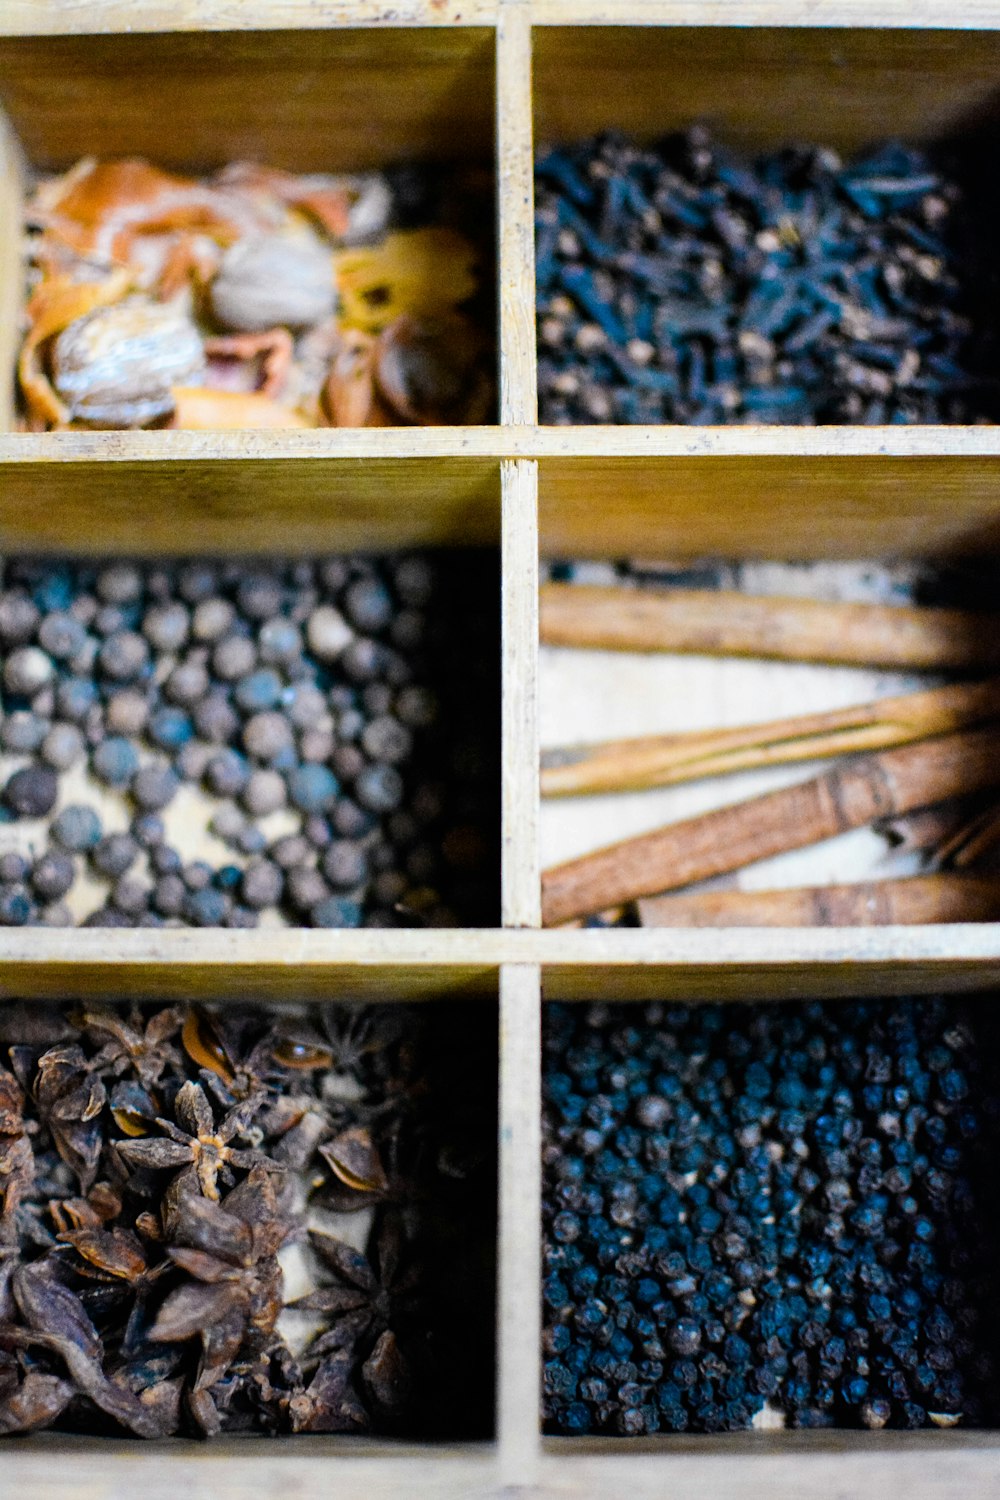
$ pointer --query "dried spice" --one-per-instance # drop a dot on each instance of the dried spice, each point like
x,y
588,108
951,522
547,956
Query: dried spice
x,y
181,1268
160,300
680,283
776,1214
333,716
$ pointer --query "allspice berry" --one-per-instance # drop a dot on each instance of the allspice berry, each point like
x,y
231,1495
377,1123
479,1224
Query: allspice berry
x,y
234,657
262,884
264,793
62,747
18,619
27,670
154,787
328,633
167,627
119,583
31,792
123,656
266,735
53,875
212,619
127,712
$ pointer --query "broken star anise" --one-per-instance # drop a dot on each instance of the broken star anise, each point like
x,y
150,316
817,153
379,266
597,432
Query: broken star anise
x,y
70,1097
17,1161
367,1294
233,1300
132,1044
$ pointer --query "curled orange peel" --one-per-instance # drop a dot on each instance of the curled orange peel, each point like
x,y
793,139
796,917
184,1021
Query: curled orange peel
x,y
416,271
54,305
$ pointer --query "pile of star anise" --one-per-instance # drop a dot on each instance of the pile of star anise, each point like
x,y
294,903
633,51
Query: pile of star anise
x,y
233,1220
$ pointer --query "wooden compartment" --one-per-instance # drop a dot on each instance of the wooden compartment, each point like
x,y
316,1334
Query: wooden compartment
x,y
759,89
852,1450
598,492
191,100
695,511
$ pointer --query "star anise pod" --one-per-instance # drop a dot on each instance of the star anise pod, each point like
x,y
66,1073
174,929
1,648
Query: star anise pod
x,y
117,1264
234,1068
32,1402
51,1317
329,1403
133,1044
70,1097
17,1161
234,1299
195,1141
367,1293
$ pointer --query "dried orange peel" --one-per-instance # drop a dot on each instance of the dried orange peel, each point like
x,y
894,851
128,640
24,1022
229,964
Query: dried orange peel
x,y
199,409
54,305
417,271
275,347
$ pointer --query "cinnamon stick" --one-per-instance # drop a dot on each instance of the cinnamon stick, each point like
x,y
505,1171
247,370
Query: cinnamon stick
x,y
669,759
870,903
849,795
720,622
929,829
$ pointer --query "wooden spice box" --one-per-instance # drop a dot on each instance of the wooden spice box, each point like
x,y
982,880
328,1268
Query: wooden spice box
x,y
353,83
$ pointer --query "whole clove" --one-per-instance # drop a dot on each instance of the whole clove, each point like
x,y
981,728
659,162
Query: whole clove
x,y
680,283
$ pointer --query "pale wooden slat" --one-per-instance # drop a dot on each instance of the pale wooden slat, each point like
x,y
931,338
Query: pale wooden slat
x,y
519,1301
754,1466
308,1468
312,965
521,888
784,504
515,193
59,17
56,17
908,14
304,100
827,1465
360,499
765,87
11,267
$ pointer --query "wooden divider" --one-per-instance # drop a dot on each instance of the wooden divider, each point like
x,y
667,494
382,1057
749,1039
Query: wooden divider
x,y
821,492
519,1298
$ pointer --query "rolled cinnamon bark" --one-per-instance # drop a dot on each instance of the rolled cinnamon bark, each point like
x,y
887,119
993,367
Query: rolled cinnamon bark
x,y
669,759
720,622
847,796
870,903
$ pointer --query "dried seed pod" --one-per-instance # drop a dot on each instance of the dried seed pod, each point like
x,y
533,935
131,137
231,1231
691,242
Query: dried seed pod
x,y
275,279
116,366
353,1157
427,370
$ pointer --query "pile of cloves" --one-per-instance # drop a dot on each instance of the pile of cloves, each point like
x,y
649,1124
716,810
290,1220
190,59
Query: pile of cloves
x,y
230,1221
252,298
216,744
681,283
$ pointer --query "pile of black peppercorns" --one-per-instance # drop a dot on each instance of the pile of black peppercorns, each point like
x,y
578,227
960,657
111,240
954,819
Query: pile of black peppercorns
x,y
343,702
777,1205
681,283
